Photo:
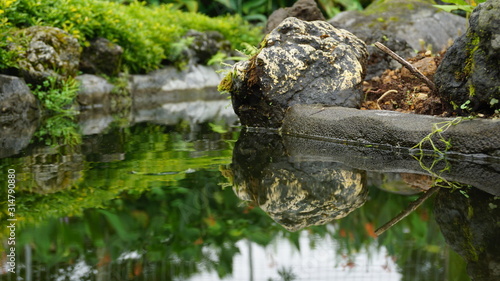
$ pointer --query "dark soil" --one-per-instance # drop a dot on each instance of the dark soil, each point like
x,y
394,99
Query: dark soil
x,y
399,90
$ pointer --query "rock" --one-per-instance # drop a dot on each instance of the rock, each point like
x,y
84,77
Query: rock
x,y
401,25
101,57
469,75
50,51
19,113
94,90
391,128
170,79
300,63
205,45
296,193
470,225
306,10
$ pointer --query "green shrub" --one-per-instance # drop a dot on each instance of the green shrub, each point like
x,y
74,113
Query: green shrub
x,y
146,33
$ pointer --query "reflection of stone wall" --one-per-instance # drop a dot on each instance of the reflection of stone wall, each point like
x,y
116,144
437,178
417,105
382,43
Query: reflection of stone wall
x,y
294,193
471,225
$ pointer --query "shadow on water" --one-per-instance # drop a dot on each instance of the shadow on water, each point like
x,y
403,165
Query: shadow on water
x,y
160,199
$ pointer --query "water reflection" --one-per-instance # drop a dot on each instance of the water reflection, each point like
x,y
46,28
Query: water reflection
x,y
471,225
295,193
147,202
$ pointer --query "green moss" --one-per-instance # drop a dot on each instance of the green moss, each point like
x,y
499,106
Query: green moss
x,y
380,7
226,84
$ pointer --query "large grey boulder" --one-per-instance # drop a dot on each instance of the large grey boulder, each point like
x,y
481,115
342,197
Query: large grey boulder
x,y
403,26
19,113
49,51
300,63
469,73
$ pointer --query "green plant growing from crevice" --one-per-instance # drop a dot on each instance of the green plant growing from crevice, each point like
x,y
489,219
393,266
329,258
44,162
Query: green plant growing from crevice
x,y
248,52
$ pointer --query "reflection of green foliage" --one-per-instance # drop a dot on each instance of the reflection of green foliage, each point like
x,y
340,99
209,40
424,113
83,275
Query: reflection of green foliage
x,y
177,220
154,159
164,201
58,129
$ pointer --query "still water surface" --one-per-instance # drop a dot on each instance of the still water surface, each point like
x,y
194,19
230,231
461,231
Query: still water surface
x,y
203,200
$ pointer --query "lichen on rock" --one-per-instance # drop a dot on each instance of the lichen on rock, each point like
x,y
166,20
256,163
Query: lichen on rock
x,y
299,63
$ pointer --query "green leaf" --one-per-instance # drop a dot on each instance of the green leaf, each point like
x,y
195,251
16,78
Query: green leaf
x,y
117,224
449,8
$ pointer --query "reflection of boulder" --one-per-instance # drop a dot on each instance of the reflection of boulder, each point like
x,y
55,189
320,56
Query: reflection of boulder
x,y
52,169
296,194
471,225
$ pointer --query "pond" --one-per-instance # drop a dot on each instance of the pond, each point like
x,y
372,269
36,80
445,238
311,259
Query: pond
x,y
178,192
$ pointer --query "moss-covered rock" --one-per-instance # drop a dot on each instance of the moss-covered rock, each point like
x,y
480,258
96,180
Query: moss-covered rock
x,y
468,78
44,51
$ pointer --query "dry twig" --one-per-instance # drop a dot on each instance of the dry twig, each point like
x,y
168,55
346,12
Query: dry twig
x,y
406,64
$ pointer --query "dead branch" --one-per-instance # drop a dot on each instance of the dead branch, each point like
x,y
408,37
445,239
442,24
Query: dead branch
x,y
406,64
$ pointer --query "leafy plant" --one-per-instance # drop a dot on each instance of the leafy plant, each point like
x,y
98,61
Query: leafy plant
x,y
464,5
334,7
437,130
57,95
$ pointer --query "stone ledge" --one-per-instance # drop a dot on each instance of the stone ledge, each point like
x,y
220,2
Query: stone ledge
x,y
390,128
